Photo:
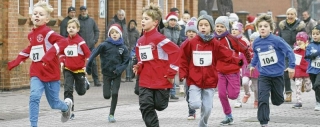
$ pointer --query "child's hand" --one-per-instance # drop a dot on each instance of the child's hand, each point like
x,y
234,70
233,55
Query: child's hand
x,y
61,66
135,68
169,79
291,72
251,70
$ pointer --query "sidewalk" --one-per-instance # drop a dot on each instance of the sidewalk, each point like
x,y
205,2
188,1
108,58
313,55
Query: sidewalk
x,y
91,110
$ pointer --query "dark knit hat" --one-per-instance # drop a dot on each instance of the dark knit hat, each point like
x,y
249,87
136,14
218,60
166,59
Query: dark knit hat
x,y
317,27
71,9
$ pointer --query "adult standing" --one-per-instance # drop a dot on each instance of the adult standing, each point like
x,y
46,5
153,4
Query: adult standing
x,y
288,31
310,23
90,33
64,22
121,20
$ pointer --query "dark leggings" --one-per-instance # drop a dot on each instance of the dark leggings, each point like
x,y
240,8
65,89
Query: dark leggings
x,y
315,79
111,86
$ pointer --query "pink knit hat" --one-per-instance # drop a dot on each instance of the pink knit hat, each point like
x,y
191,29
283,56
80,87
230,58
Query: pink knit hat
x,y
302,36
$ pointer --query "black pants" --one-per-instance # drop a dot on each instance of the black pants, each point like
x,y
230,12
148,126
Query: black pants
x,y
191,111
287,82
315,80
73,79
111,86
94,71
136,87
151,100
267,85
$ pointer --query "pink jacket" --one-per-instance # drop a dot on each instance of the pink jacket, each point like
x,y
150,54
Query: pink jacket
x,y
246,68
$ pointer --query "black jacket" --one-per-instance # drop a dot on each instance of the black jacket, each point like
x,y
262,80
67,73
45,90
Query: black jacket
x,y
89,31
114,58
63,26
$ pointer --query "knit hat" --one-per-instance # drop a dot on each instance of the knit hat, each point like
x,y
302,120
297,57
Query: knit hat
x,y
203,12
206,17
116,27
83,8
224,20
317,27
254,35
250,18
71,9
302,36
233,17
172,15
237,26
191,25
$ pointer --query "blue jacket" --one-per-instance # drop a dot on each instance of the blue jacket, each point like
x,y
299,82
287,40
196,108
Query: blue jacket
x,y
312,49
282,50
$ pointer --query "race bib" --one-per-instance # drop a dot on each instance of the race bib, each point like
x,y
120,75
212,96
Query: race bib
x,y
145,53
36,53
202,58
268,58
298,59
315,63
71,51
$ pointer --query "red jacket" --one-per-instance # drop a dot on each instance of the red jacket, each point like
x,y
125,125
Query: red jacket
x,y
301,70
46,68
203,76
236,45
78,62
164,63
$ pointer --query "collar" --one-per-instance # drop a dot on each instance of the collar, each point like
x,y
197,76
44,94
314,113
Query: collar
x,y
40,27
154,30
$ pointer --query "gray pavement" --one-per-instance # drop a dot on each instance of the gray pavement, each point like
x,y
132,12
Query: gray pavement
x,y
91,110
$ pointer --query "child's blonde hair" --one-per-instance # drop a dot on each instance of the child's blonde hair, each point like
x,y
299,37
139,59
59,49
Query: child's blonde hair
x,y
266,18
47,7
154,11
74,20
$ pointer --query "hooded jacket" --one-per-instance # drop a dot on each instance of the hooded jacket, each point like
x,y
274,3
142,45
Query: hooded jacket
x,y
301,70
89,31
289,32
133,36
172,33
63,26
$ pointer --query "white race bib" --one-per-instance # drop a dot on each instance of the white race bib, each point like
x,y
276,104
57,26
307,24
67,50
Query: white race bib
x,y
36,53
145,53
315,63
268,58
202,58
298,59
71,51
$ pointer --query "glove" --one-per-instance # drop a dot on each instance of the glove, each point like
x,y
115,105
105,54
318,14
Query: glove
x,y
240,62
88,70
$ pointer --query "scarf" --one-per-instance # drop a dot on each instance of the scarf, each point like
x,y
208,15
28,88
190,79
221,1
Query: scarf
x,y
206,38
117,42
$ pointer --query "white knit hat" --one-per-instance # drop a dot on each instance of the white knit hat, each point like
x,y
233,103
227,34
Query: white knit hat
x,y
224,20
116,27
233,17
191,25
254,35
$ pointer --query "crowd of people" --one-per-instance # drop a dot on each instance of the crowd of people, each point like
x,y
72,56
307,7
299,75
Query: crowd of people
x,y
204,54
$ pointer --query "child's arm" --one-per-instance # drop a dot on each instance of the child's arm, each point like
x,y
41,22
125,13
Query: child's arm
x,y
59,44
240,45
125,57
184,57
173,53
287,50
93,55
223,53
309,55
23,55
85,49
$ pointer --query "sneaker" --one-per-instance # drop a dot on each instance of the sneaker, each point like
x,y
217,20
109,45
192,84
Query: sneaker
x,y
288,97
111,119
192,117
317,107
87,83
66,114
264,125
245,98
227,121
72,117
238,105
177,86
297,105
174,97
255,104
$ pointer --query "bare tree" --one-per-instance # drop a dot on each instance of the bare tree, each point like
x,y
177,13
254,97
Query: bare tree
x,y
224,6
303,5
206,5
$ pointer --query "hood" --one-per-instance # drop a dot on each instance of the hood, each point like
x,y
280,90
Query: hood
x,y
300,26
128,26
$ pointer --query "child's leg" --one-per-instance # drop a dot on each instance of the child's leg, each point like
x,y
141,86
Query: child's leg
x,y
255,88
194,97
115,91
277,88
233,87
106,87
161,99
245,84
264,89
307,84
52,93
68,86
80,83
222,91
206,107
316,87
36,90
191,111
298,83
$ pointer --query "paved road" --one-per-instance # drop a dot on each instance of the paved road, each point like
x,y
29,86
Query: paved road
x,y
91,110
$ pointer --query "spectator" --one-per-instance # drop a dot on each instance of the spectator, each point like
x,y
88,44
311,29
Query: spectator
x,y
288,31
64,22
120,19
182,23
310,23
133,36
90,33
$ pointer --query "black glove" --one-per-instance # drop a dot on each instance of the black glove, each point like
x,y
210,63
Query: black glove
x,y
88,70
240,63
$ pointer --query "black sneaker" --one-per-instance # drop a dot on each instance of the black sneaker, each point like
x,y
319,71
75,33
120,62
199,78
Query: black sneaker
x,y
227,121
72,117
297,105
174,97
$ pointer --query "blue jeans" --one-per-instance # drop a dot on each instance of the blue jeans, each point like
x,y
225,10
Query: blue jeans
x,y
129,70
52,94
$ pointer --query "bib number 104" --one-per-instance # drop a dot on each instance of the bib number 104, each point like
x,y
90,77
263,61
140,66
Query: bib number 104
x,y
269,60
317,64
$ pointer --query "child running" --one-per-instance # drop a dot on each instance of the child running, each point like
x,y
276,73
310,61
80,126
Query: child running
x,y
44,46
157,65
198,59
229,73
302,80
190,31
74,59
114,57
269,55
312,56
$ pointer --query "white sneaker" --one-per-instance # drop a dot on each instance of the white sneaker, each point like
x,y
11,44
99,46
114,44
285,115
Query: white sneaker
x,y
65,116
317,107
238,105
